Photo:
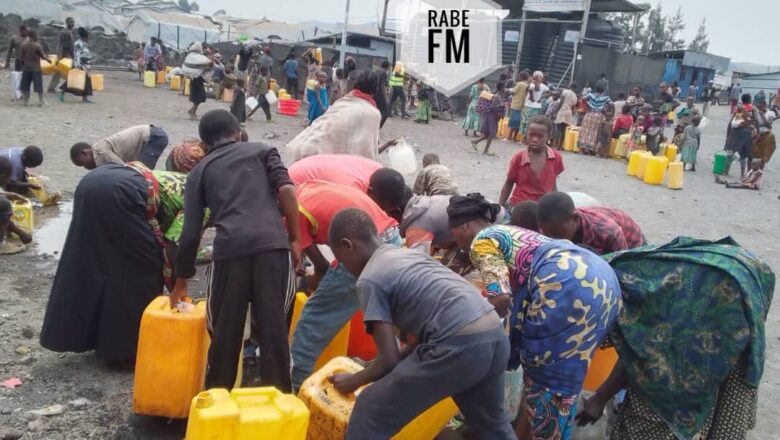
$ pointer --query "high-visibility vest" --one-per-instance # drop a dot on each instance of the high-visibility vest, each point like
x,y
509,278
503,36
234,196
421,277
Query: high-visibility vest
x,y
396,80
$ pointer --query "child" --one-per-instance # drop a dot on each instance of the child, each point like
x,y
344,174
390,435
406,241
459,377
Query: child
x,y
31,56
238,106
251,198
655,135
263,86
341,87
690,142
623,123
197,95
318,97
635,136
455,341
435,179
752,180
7,226
19,159
423,115
533,171
605,133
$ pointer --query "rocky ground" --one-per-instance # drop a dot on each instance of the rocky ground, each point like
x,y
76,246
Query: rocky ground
x,y
90,401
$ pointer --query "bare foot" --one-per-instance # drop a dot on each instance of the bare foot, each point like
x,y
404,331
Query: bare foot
x,y
489,154
474,145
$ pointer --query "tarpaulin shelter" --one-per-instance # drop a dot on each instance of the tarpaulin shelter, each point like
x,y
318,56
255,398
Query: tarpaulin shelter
x,y
177,30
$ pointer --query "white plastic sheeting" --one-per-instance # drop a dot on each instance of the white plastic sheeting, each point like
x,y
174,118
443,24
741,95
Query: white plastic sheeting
x,y
177,30
46,12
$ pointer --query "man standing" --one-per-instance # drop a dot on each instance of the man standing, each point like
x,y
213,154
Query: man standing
x,y
65,50
267,61
31,55
396,83
244,55
291,71
734,96
604,83
15,48
693,91
707,94
380,96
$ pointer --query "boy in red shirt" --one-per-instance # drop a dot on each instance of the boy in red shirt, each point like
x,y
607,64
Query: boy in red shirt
x,y
335,299
533,172
623,123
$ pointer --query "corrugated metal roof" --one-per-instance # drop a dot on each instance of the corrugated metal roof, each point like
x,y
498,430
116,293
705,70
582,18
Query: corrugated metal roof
x,y
179,18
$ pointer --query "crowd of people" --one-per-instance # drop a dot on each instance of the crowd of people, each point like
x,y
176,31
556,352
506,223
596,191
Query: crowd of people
x,y
558,280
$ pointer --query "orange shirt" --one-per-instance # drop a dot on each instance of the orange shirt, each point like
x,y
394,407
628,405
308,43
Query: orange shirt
x,y
344,169
320,201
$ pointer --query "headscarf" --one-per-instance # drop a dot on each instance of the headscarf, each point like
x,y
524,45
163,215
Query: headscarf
x,y
474,206
185,156
363,95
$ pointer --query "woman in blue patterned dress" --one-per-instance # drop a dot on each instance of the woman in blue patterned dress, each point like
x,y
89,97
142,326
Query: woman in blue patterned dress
x,y
561,300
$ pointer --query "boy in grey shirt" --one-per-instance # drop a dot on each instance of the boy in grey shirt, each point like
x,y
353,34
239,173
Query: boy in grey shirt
x,y
456,345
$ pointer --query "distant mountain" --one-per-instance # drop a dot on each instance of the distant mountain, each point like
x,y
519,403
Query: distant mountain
x,y
752,68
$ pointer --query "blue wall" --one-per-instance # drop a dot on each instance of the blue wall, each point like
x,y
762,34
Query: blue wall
x,y
684,75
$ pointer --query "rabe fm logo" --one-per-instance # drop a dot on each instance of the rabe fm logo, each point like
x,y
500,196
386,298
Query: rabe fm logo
x,y
448,44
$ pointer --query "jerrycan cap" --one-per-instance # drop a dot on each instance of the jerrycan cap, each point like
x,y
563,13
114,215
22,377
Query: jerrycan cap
x,y
204,400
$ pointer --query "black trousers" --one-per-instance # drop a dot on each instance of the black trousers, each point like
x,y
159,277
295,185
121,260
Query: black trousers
x,y
398,93
381,105
262,103
34,79
292,87
263,280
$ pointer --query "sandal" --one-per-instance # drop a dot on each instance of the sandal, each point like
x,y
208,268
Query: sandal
x,y
11,248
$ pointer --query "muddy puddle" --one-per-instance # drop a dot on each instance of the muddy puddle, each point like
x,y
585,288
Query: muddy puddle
x,y
52,228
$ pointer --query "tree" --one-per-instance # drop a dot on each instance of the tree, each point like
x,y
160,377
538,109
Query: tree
x,y
194,7
701,41
674,27
625,22
184,5
220,12
655,35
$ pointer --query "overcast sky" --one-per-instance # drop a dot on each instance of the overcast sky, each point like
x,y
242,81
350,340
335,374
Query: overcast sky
x,y
743,30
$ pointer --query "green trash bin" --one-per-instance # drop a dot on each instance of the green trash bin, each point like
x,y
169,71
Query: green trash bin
x,y
722,163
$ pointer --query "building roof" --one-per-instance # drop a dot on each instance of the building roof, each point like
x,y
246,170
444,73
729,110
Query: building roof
x,y
178,18
696,59
600,6
759,75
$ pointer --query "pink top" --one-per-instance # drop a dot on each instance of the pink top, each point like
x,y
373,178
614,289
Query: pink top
x,y
529,185
344,169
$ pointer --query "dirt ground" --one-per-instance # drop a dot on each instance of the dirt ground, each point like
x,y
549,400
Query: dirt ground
x,y
701,209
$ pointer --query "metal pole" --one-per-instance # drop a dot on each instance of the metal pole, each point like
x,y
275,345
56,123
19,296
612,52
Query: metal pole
x,y
384,19
633,33
228,37
520,42
583,31
343,50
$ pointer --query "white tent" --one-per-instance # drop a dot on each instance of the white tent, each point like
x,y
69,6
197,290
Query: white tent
x,y
175,29
89,14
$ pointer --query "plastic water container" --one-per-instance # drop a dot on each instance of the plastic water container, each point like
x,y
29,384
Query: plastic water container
x,y
655,173
77,79
675,180
503,128
47,194
330,410
642,166
568,140
337,347
361,344
170,366
161,77
64,65
247,414
175,82
318,55
575,132
227,95
601,365
671,152
622,146
288,106
633,162
23,215
49,67
719,164
97,81
187,86
613,142
402,158
149,79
